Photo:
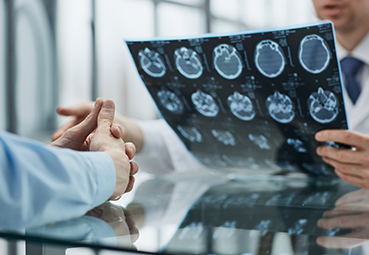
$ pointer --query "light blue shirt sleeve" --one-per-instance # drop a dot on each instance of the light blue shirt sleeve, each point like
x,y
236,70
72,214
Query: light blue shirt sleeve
x,y
86,228
41,184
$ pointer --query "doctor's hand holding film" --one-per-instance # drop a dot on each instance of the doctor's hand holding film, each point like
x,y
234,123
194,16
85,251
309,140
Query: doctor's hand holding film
x,y
351,165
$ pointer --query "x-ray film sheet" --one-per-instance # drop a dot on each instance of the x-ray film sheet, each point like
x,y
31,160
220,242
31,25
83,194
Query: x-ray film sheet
x,y
248,100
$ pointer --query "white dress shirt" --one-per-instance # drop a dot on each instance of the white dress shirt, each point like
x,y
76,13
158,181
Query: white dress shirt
x,y
358,114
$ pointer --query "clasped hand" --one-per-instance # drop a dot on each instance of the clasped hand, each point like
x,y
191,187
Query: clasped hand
x,y
98,133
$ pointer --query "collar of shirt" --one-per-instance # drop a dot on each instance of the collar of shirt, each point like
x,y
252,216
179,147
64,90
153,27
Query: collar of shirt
x,y
360,52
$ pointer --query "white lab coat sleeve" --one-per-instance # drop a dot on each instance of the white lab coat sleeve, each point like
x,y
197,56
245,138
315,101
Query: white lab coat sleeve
x,y
41,184
163,151
154,156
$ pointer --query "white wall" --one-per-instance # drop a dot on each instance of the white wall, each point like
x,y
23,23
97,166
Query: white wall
x,y
74,51
118,19
34,77
118,79
2,66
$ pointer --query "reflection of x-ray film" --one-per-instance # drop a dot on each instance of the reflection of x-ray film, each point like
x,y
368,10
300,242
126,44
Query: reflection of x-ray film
x,y
191,133
298,228
323,106
170,101
241,106
314,54
269,58
263,226
205,104
152,63
280,107
224,137
260,141
188,63
227,61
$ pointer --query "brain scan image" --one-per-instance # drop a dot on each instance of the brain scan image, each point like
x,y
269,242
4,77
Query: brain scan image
x,y
323,106
190,133
227,61
152,63
205,104
314,54
188,63
297,145
260,141
224,137
170,101
241,106
269,58
280,107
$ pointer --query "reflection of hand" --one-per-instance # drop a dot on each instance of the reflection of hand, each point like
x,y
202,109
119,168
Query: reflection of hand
x,y
351,212
130,130
120,220
350,165
103,140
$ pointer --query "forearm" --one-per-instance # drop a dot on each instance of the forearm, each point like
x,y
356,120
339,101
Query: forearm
x,y
39,184
131,131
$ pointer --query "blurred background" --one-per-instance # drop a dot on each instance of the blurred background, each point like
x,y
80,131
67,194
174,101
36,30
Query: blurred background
x,y
69,51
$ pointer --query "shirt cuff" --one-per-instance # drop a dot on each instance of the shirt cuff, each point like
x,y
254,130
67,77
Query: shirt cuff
x,y
105,176
154,156
151,137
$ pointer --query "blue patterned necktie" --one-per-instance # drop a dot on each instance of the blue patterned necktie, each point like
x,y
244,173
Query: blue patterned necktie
x,y
350,66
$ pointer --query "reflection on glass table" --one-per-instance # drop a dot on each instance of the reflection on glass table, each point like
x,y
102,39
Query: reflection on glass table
x,y
211,214
106,226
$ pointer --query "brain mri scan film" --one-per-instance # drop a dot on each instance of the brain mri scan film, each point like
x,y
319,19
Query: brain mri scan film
x,y
323,106
188,63
297,145
248,100
241,106
152,63
224,137
314,54
205,104
260,141
269,58
227,61
190,133
280,107
170,101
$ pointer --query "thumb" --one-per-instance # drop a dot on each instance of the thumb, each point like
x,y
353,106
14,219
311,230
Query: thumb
x,y
90,122
106,116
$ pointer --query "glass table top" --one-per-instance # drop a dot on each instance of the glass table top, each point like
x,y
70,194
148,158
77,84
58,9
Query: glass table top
x,y
212,214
